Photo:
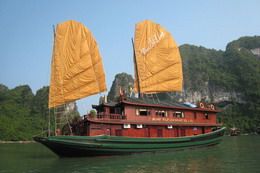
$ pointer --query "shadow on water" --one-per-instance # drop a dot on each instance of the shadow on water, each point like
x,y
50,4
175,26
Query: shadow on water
x,y
234,154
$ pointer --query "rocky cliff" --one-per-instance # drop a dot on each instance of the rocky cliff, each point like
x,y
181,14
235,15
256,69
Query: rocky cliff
x,y
122,80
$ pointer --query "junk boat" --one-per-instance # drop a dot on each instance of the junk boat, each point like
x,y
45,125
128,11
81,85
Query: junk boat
x,y
129,125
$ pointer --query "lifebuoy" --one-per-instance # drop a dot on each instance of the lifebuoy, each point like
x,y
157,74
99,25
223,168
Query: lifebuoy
x,y
212,106
201,105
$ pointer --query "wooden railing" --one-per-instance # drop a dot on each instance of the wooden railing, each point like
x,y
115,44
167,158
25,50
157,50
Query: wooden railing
x,y
103,116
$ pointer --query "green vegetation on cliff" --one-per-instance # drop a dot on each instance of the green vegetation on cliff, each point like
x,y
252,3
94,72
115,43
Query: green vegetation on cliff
x,y
23,114
17,118
244,67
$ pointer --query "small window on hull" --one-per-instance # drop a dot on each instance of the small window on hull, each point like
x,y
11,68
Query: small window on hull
x,y
169,126
127,126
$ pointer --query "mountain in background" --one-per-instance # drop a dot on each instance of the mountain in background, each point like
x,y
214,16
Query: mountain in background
x,y
122,80
230,79
23,114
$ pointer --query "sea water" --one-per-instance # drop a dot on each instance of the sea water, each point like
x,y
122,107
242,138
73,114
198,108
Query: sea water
x,y
239,154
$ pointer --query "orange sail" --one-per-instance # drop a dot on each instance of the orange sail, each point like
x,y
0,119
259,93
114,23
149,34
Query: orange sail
x,y
158,61
77,68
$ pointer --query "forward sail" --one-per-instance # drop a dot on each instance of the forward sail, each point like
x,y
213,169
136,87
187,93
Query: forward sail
x,y
158,61
77,68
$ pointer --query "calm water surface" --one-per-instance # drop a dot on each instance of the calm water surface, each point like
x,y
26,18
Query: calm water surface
x,y
233,155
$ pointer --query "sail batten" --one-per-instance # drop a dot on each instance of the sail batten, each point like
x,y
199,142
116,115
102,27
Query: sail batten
x,y
158,59
77,68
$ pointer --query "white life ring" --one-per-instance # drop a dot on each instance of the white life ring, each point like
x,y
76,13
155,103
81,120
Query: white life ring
x,y
201,105
212,107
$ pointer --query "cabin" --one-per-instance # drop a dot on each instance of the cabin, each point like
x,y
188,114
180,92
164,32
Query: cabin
x,y
133,117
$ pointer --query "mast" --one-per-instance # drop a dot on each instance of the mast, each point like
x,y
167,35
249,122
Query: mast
x,y
49,122
136,70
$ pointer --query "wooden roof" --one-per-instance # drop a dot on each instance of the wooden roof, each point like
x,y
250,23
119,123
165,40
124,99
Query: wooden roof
x,y
146,102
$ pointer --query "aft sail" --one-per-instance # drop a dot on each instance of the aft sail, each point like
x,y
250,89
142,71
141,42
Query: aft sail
x,y
158,61
77,68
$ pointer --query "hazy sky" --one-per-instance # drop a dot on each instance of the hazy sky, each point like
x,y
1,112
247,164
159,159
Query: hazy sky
x,y
26,36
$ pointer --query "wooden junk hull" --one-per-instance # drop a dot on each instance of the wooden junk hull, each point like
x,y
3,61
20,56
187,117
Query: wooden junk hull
x,y
78,146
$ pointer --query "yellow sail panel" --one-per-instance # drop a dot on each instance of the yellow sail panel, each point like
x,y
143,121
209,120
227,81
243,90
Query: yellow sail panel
x,y
77,68
158,61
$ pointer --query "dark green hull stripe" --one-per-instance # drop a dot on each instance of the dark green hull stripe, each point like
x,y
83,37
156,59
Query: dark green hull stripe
x,y
105,145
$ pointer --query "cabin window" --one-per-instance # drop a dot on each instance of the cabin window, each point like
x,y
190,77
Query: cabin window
x,y
142,112
161,113
139,126
178,114
206,116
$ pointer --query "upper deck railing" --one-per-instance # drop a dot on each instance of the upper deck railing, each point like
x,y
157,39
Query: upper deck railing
x,y
105,116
